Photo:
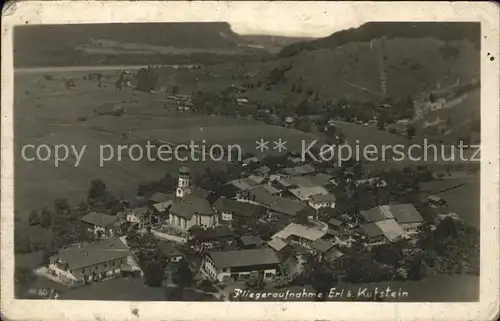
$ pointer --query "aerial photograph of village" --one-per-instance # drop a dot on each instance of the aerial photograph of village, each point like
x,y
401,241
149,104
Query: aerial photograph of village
x,y
200,161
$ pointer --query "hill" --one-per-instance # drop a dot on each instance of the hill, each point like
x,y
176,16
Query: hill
x,y
444,31
273,44
353,70
135,43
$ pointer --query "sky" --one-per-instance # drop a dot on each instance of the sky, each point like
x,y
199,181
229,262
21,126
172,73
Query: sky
x,y
296,19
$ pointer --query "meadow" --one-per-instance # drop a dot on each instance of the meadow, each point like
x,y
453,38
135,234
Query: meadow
x,y
46,112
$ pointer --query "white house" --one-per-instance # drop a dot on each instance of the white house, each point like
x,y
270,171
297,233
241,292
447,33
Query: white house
x,y
140,217
322,201
102,225
239,265
94,261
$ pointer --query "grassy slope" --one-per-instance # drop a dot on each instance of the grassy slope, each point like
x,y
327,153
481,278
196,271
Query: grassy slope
x,y
55,45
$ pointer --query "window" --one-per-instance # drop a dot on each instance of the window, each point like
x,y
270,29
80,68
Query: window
x,y
104,265
95,268
269,275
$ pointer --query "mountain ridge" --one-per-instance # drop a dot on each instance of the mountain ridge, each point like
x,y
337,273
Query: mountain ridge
x,y
445,31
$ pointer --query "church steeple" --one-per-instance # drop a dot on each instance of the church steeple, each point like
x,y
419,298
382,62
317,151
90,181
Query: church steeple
x,y
184,182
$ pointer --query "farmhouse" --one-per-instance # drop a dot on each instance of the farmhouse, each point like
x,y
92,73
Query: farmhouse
x,y
300,234
318,201
92,262
381,231
170,251
436,201
304,193
373,182
208,237
406,215
102,225
229,209
299,170
250,242
139,217
240,264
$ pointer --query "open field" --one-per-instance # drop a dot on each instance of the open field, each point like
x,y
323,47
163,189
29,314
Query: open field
x,y
46,112
464,200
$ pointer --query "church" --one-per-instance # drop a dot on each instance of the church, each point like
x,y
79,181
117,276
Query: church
x,y
190,206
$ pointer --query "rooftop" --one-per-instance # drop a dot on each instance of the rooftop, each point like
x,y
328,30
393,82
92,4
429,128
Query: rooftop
x,y
306,232
286,206
168,249
93,253
277,244
212,233
189,205
402,213
322,246
251,240
99,219
139,211
240,258
244,184
300,170
334,222
163,206
184,170
304,193
159,197
323,198
388,228
238,208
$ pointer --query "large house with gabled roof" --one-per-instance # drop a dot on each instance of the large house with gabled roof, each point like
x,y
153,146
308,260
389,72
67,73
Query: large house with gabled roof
x,y
91,262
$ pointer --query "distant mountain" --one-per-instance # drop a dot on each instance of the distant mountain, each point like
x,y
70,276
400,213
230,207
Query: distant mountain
x,y
445,31
134,43
273,44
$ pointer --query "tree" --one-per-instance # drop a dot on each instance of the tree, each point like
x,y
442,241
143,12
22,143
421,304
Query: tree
x,y
146,80
97,189
410,132
389,254
45,218
153,274
302,217
322,281
34,218
61,206
415,269
183,276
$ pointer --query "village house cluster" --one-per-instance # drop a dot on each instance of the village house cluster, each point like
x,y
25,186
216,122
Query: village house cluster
x,y
297,198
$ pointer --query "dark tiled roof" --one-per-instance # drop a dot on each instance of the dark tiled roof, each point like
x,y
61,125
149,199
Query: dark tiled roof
x,y
334,222
189,205
99,219
322,246
168,249
300,170
159,197
212,233
93,253
405,213
239,208
323,198
371,230
402,213
251,240
240,258
288,206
